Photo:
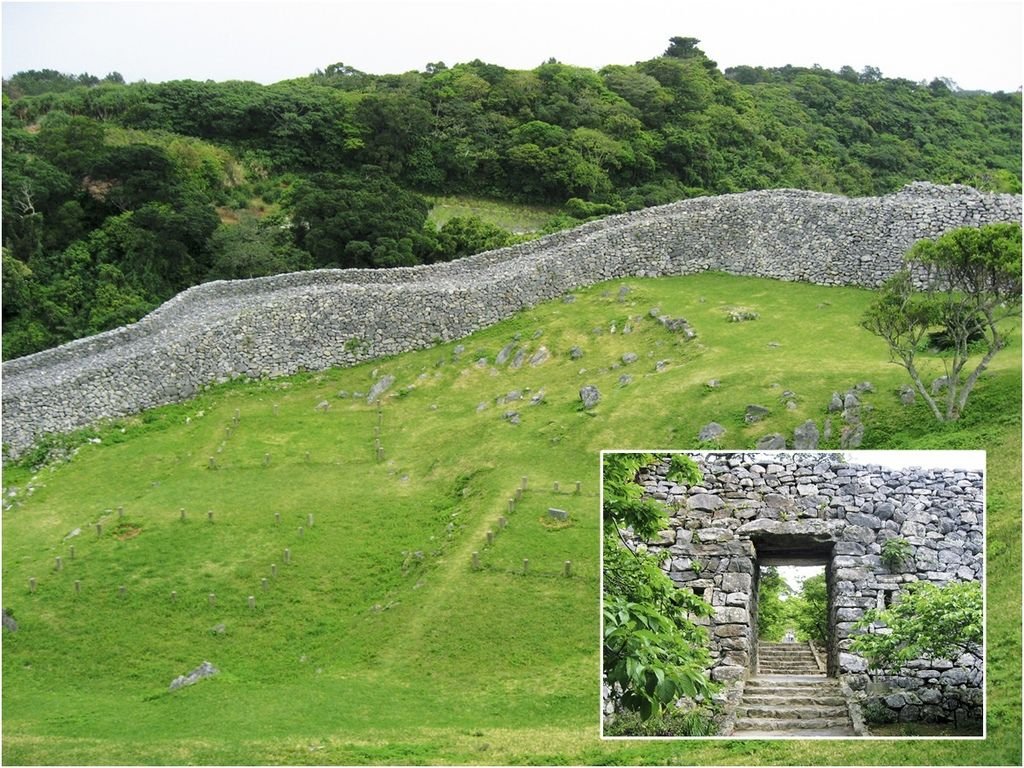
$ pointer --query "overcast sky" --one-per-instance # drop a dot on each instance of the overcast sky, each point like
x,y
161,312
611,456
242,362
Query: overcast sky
x,y
976,43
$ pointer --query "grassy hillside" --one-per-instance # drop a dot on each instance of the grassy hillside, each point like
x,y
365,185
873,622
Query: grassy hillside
x,y
378,642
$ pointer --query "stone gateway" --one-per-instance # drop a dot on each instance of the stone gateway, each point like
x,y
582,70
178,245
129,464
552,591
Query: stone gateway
x,y
752,510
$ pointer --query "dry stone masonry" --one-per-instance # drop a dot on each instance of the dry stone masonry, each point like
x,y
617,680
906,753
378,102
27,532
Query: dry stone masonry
x,y
314,320
754,509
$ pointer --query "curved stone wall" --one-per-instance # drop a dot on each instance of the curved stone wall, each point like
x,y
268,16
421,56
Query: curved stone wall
x,y
751,509
314,320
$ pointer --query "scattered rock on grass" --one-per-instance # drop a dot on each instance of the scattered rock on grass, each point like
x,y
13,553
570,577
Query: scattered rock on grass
x,y
772,442
590,396
380,387
805,437
206,669
711,431
755,413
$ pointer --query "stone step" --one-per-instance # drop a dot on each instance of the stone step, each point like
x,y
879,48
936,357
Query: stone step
x,y
791,688
778,700
787,656
767,670
779,724
793,712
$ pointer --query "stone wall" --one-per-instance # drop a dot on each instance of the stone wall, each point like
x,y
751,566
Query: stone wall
x,y
752,509
314,320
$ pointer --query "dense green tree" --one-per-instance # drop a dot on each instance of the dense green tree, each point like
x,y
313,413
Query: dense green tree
x,y
772,616
254,248
809,609
350,221
925,622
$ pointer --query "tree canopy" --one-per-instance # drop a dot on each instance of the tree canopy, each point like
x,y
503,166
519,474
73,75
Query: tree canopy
x,y
962,284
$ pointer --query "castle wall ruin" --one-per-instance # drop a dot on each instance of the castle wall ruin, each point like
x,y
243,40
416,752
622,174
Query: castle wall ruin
x,y
279,325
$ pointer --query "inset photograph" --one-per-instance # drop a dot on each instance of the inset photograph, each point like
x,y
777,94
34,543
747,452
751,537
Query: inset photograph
x,y
780,594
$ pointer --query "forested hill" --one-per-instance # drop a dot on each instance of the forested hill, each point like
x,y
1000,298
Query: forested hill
x,y
117,196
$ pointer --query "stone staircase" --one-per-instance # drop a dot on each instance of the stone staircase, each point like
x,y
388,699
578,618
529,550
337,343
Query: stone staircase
x,y
786,659
790,697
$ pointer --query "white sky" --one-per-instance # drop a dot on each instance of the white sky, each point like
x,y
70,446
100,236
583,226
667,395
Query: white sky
x,y
972,460
977,43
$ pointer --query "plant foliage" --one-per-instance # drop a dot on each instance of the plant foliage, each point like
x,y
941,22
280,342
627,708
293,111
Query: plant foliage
x,y
894,552
809,609
772,614
927,622
653,653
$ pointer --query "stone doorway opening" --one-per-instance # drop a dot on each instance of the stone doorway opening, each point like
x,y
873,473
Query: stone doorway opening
x,y
795,554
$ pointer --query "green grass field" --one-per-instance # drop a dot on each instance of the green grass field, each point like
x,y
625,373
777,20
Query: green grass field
x,y
378,642
513,217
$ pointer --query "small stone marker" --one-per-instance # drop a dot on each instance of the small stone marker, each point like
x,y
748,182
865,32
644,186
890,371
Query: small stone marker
x,y
519,493
526,565
120,513
182,514
209,516
476,561
567,571
264,584
525,479
309,520
555,487
252,601
212,599
58,564
301,531
212,463
579,486
511,506
273,570
71,552
277,518
558,514
502,522
78,586
287,556
99,529
380,454
122,590
490,537
32,585
275,409
174,595
307,456
266,459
